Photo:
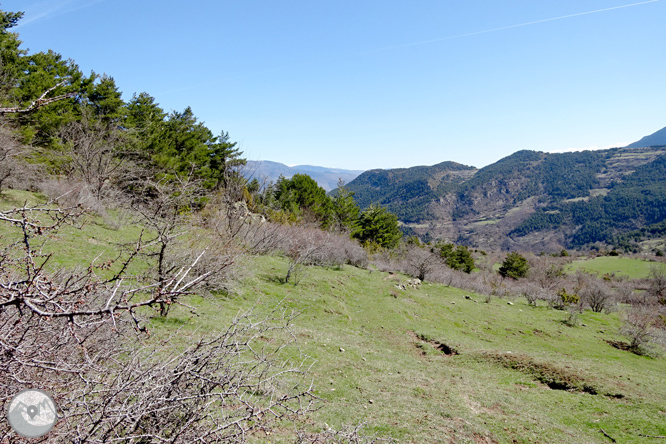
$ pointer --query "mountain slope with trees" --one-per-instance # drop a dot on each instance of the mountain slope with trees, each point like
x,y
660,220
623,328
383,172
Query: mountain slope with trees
x,y
528,200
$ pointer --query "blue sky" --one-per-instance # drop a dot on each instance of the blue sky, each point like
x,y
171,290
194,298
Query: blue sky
x,y
363,84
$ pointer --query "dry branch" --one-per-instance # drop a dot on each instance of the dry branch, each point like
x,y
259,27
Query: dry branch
x,y
74,334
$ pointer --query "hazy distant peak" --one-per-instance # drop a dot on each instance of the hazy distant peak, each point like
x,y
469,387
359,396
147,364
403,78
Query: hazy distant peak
x,y
655,139
327,178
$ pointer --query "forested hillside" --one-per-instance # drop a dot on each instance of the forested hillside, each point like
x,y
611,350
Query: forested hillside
x,y
533,200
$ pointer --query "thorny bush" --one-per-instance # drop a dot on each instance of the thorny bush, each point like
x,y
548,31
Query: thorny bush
x,y
83,339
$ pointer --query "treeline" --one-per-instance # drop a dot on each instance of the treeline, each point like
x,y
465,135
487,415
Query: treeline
x,y
89,132
78,128
301,200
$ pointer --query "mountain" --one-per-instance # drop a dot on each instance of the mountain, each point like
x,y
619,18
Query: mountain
x,y
655,139
529,200
327,178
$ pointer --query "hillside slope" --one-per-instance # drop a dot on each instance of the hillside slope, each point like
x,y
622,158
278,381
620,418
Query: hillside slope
x,y
421,365
528,200
433,366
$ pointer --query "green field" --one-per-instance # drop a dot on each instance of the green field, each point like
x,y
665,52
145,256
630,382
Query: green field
x,y
620,266
393,378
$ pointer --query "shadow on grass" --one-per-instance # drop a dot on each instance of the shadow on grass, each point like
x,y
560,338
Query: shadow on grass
x,y
271,278
169,321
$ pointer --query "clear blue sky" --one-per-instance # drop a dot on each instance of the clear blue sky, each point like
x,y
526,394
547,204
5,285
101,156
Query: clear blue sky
x,y
363,84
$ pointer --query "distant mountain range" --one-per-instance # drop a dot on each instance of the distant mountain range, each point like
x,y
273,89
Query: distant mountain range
x,y
654,139
327,178
532,200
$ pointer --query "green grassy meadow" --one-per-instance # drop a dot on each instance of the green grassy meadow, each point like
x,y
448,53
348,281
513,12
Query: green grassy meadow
x,y
496,388
428,365
620,266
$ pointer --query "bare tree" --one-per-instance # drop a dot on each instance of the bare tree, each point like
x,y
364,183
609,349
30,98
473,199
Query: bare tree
x,y
546,274
95,151
597,296
41,100
13,170
164,207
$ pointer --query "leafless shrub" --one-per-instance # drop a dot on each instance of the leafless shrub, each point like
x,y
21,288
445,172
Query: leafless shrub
x,y
83,339
626,294
597,296
221,255
9,149
70,192
547,274
572,316
657,279
94,150
420,262
644,327
14,171
385,260
164,207
307,246
532,292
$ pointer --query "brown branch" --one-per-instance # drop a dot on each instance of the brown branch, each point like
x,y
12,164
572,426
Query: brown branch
x,y
652,436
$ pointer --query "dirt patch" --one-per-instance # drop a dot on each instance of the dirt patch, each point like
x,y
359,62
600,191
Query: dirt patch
x,y
480,439
421,340
554,377
620,345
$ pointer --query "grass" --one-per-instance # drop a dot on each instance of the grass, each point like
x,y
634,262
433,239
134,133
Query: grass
x,y
483,222
624,266
518,374
90,238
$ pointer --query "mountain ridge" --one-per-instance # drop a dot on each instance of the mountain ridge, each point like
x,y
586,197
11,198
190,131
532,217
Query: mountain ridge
x,y
530,200
658,138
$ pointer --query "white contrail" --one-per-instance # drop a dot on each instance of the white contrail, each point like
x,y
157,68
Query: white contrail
x,y
48,9
406,45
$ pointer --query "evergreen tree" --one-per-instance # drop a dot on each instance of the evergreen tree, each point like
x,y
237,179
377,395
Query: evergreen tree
x,y
458,258
514,266
301,194
106,100
345,210
377,225
11,61
224,159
